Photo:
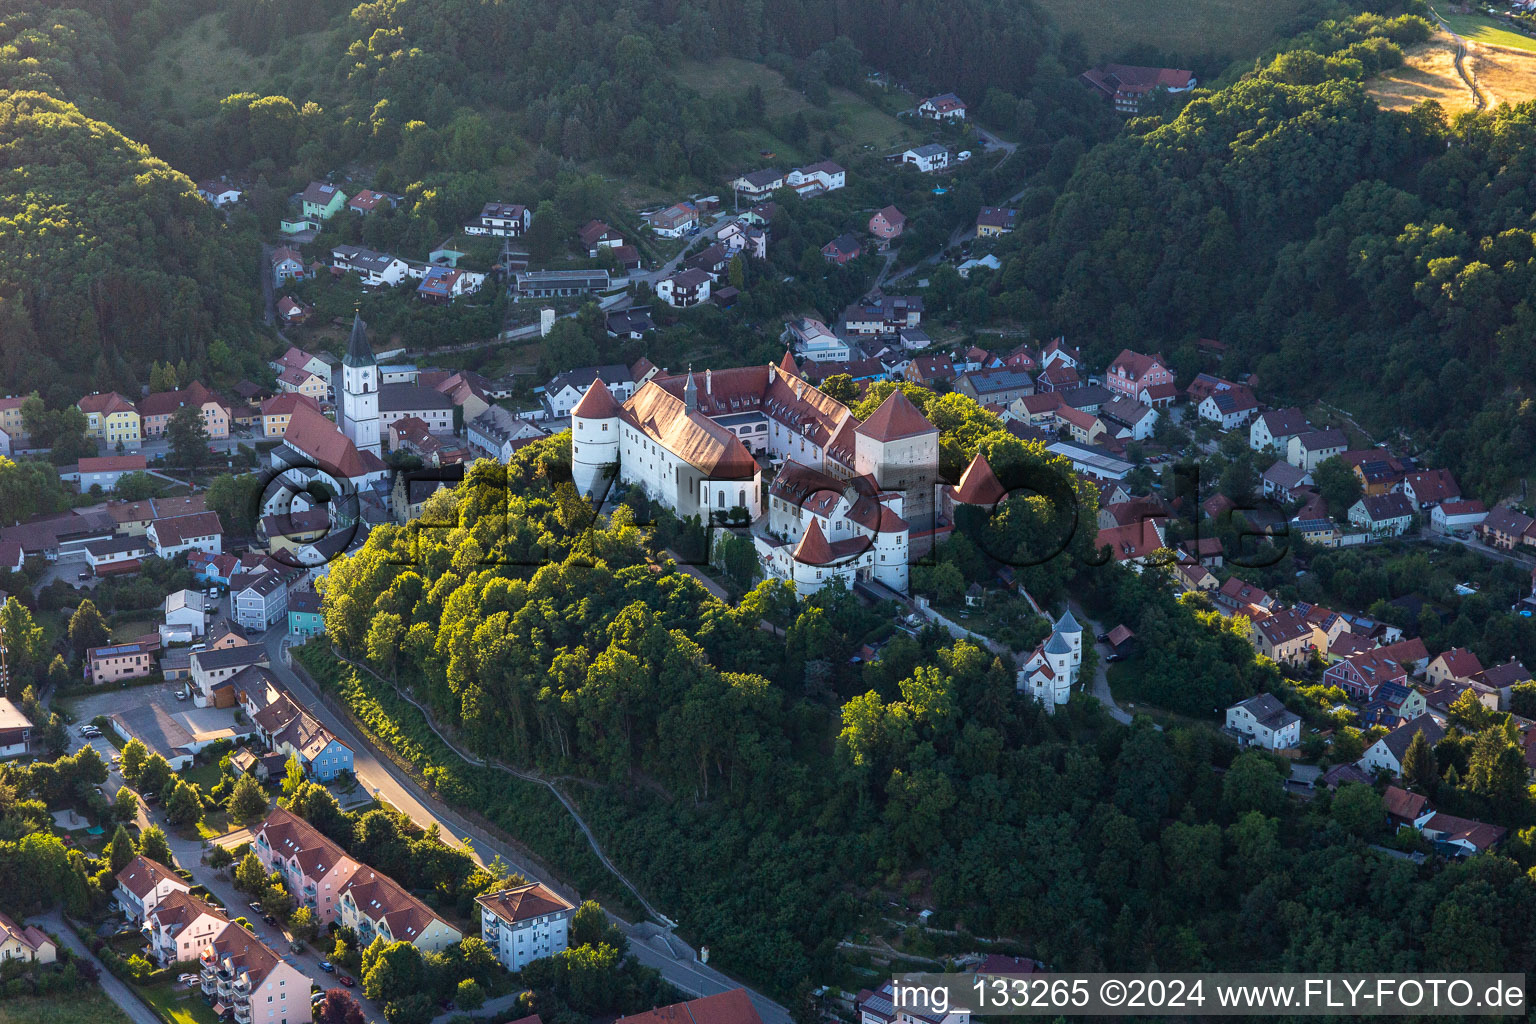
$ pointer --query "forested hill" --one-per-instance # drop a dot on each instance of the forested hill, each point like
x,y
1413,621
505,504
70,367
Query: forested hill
x,y
108,259
1384,261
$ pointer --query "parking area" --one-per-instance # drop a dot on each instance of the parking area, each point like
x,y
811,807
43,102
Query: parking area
x,y
111,700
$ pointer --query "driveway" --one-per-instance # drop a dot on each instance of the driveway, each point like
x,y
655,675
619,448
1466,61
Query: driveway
x,y
1101,668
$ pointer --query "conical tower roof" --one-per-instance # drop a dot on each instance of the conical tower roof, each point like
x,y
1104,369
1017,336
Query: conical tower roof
x,y
978,484
787,364
813,548
598,403
1067,624
896,418
359,352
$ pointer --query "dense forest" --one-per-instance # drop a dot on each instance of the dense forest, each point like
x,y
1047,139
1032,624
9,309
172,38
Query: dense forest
x,y
774,795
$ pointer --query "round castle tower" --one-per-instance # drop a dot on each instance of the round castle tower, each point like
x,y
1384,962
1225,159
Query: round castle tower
x,y
595,431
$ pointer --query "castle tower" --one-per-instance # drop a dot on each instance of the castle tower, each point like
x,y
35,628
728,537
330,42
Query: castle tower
x,y
595,441
359,414
1058,652
1068,629
891,539
900,449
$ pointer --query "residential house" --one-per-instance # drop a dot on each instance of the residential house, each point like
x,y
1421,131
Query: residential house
x,y
675,221
111,418
1057,377
1191,576
1386,754
374,904
180,926
524,923
712,260
244,977
1135,542
300,381
739,236
1504,528
1083,427
943,107
1129,418
288,729
995,220
1457,516
596,236
1359,675
298,359
497,433
367,200
293,312
1274,429
1127,86
104,471
500,220
1403,808
1001,386
758,185
1285,636
843,249
218,194
887,224
1394,703
305,617
176,535
375,269
1502,679
880,315
632,323
117,662
444,284
399,401
187,609
27,943
1461,837
411,434
1382,515
814,179
812,339
987,262
1239,597
314,868
1058,353
260,601
278,410
930,369
1430,487
927,158
1265,722
729,1007
1284,482
1130,372
684,289
1457,665
879,1007
15,729
156,410
1307,450
214,667
143,883
1229,408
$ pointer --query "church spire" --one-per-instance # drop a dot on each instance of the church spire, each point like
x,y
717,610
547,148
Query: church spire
x,y
690,393
359,352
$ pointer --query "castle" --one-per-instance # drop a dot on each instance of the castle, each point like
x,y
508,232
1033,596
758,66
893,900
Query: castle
x,y
845,502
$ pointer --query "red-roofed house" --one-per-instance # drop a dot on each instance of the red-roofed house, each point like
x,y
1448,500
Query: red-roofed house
x,y
1127,86
729,1007
1130,372
888,223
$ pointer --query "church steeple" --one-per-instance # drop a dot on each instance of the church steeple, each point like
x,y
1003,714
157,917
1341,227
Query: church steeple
x,y
690,393
359,352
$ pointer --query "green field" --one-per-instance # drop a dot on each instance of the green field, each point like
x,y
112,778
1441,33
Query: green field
x,y
179,1004
1232,28
196,68
87,1006
1478,29
860,123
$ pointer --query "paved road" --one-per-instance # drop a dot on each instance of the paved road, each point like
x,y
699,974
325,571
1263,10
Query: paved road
x,y
1101,667
189,856
393,785
651,277
117,991
1473,544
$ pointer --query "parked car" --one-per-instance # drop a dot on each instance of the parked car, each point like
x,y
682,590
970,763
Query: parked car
x,y
150,798
272,921
327,967
346,979
255,906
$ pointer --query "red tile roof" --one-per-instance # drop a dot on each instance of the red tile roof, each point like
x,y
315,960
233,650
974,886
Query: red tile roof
x,y
522,902
112,463
896,418
978,484
320,439
287,403
732,1007
104,403
598,403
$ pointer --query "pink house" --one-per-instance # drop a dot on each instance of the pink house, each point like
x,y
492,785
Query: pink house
x,y
887,223
313,867
1131,372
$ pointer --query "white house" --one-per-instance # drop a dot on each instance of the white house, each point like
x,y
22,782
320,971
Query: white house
x,y
1229,408
143,883
1274,429
812,339
500,220
497,433
175,535
683,289
825,176
186,609
15,729
1306,450
375,268
1387,753
1451,516
943,107
1383,515
180,926
1266,722
260,602
218,194
524,923
927,158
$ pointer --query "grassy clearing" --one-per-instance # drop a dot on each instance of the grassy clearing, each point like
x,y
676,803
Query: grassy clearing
x,y
133,629
1480,29
86,1006
1502,75
179,1004
199,66
1234,28
860,122
1428,73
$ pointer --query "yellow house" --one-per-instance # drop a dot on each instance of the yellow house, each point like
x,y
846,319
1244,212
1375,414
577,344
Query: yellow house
x,y
10,416
18,943
278,410
111,418
296,380
290,531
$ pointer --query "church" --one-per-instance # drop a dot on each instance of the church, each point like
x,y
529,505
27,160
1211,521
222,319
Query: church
x,y
846,499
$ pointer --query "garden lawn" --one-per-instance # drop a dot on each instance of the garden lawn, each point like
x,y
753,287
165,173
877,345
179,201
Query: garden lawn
x,y
1480,29
85,1006
177,1003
